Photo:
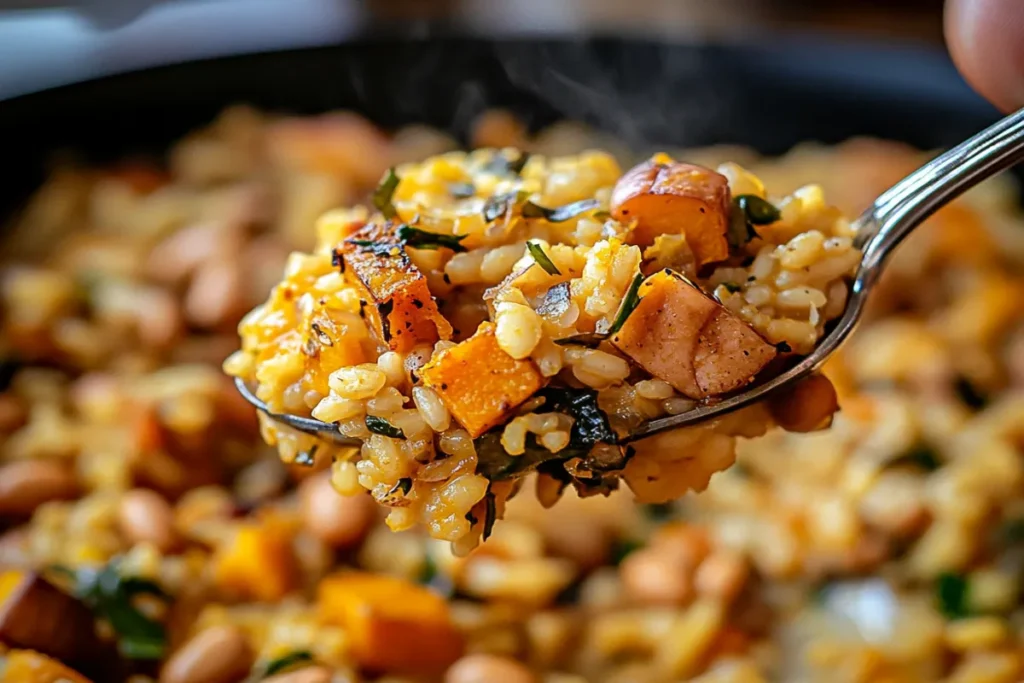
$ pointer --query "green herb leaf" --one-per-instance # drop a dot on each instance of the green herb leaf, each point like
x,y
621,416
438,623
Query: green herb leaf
x,y
740,230
969,394
542,259
591,340
659,512
590,427
383,194
1011,532
376,248
422,239
732,287
461,190
628,305
951,592
404,485
286,662
109,596
758,211
498,205
490,515
921,455
561,213
623,548
378,425
502,165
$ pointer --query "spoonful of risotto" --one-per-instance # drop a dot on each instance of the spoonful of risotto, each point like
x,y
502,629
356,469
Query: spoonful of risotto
x,y
494,314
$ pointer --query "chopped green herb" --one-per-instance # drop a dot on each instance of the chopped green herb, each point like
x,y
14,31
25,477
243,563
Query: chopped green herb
x,y
307,458
383,194
758,211
462,190
376,248
502,165
498,205
561,213
111,597
378,425
404,485
590,427
951,592
659,512
422,239
969,394
490,515
591,340
623,547
629,303
921,455
286,662
740,230
1011,532
732,287
542,259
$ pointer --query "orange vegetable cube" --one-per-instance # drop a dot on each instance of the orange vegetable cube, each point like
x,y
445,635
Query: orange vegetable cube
x,y
257,563
26,666
674,198
480,383
400,309
395,626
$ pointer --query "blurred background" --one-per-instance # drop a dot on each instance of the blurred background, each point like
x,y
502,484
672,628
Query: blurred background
x,y
44,43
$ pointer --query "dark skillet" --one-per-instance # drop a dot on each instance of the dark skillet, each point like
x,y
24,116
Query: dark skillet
x,y
645,92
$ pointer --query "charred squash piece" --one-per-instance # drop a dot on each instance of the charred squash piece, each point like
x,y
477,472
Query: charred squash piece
x,y
36,615
399,308
479,383
675,198
394,625
679,334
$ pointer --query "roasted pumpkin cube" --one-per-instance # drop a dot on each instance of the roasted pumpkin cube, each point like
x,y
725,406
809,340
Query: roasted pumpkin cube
x,y
400,309
480,383
257,562
673,198
679,334
26,666
395,626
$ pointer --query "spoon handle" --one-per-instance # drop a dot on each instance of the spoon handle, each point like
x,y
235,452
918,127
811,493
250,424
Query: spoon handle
x,y
909,202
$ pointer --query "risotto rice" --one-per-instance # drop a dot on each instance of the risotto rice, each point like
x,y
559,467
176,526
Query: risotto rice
x,y
887,548
513,313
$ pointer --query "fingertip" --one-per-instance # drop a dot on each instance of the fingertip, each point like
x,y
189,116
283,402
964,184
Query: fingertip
x,y
986,40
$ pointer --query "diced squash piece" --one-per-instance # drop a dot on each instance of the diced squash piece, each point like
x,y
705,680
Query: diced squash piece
x,y
400,308
675,198
479,383
395,626
680,335
334,340
26,666
257,562
36,615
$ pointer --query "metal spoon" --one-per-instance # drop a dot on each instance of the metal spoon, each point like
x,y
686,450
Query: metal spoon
x,y
880,229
